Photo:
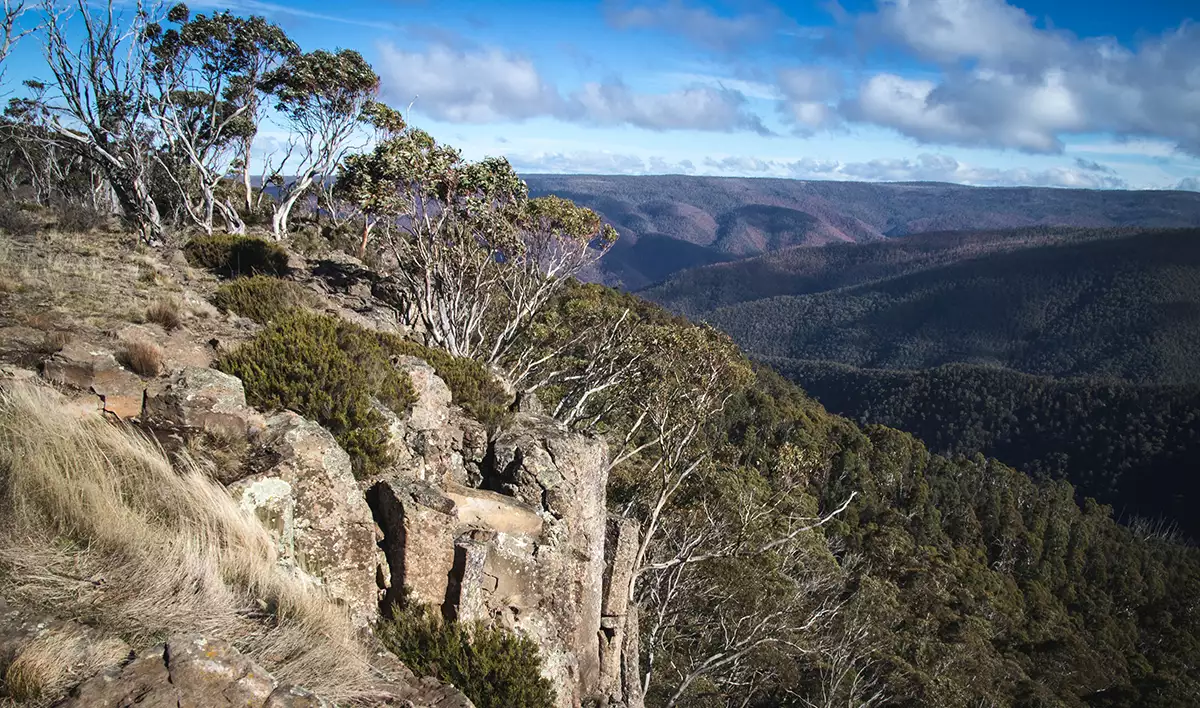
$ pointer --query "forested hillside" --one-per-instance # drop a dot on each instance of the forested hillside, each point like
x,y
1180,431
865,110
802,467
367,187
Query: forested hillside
x,y
1126,307
1132,446
702,220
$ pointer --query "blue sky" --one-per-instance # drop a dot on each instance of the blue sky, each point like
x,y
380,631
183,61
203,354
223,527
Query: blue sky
x,y
1044,92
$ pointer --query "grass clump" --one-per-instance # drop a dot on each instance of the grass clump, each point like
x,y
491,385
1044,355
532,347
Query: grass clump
x,y
47,666
471,384
493,667
98,524
328,370
262,298
232,255
143,357
165,313
54,342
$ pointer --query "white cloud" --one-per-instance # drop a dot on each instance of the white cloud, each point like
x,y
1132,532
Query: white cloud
x,y
1007,83
924,168
1190,184
699,24
479,86
488,85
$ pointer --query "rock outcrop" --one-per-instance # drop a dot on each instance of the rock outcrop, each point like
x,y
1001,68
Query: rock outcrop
x,y
308,499
513,533
195,672
204,399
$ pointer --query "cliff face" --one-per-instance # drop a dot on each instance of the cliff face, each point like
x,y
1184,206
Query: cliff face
x,y
512,532
506,526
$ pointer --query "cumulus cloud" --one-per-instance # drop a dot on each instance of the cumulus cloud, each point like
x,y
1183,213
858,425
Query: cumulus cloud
x,y
700,24
488,85
1007,83
807,95
926,167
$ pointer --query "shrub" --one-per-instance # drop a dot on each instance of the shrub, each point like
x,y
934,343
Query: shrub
x,y
493,667
328,370
231,255
18,221
165,313
144,358
80,219
262,298
472,385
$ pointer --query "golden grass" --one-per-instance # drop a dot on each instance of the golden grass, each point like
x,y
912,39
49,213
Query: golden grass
x,y
59,658
99,526
165,313
143,357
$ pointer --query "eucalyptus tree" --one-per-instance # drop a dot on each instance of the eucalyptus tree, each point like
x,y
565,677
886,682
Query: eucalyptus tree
x,y
98,100
321,97
206,71
477,258
10,15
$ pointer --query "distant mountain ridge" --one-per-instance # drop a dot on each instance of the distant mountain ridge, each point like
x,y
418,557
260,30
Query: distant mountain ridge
x,y
1052,302
670,223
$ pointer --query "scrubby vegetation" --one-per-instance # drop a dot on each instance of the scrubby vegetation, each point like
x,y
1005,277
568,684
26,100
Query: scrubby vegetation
x,y
493,667
97,525
232,255
1131,446
472,386
330,371
262,298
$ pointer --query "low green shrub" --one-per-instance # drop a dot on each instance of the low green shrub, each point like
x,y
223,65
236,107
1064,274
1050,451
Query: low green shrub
x,y
79,218
328,370
493,667
472,385
262,298
18,221
232,255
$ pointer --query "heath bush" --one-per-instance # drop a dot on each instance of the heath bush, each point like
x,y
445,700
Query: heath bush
x,y
327,370
231,255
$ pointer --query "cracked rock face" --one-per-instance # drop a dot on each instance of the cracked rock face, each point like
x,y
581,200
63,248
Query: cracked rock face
x,y
311,504
205,399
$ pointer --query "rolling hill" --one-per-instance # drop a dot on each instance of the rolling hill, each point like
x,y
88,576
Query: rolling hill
x,y
670,222
1052,302
1068,353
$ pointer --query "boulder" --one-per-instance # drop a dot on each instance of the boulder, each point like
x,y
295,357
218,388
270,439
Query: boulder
x,y
310,502
204,399
563,474
432,407
96,370
190,672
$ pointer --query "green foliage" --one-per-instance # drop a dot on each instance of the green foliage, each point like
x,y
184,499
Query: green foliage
x,y
1130,446
472,386
232,255
262,298
18,220
494,668
329,370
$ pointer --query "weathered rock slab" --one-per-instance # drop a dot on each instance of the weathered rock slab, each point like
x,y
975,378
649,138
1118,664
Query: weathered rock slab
x,y
205,399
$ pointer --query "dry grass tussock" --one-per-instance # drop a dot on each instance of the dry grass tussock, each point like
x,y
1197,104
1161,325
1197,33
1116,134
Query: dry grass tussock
x,y
100,527
145,358
49,665
165,313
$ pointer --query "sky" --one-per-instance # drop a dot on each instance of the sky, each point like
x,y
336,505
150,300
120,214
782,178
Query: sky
x,y
1070,93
